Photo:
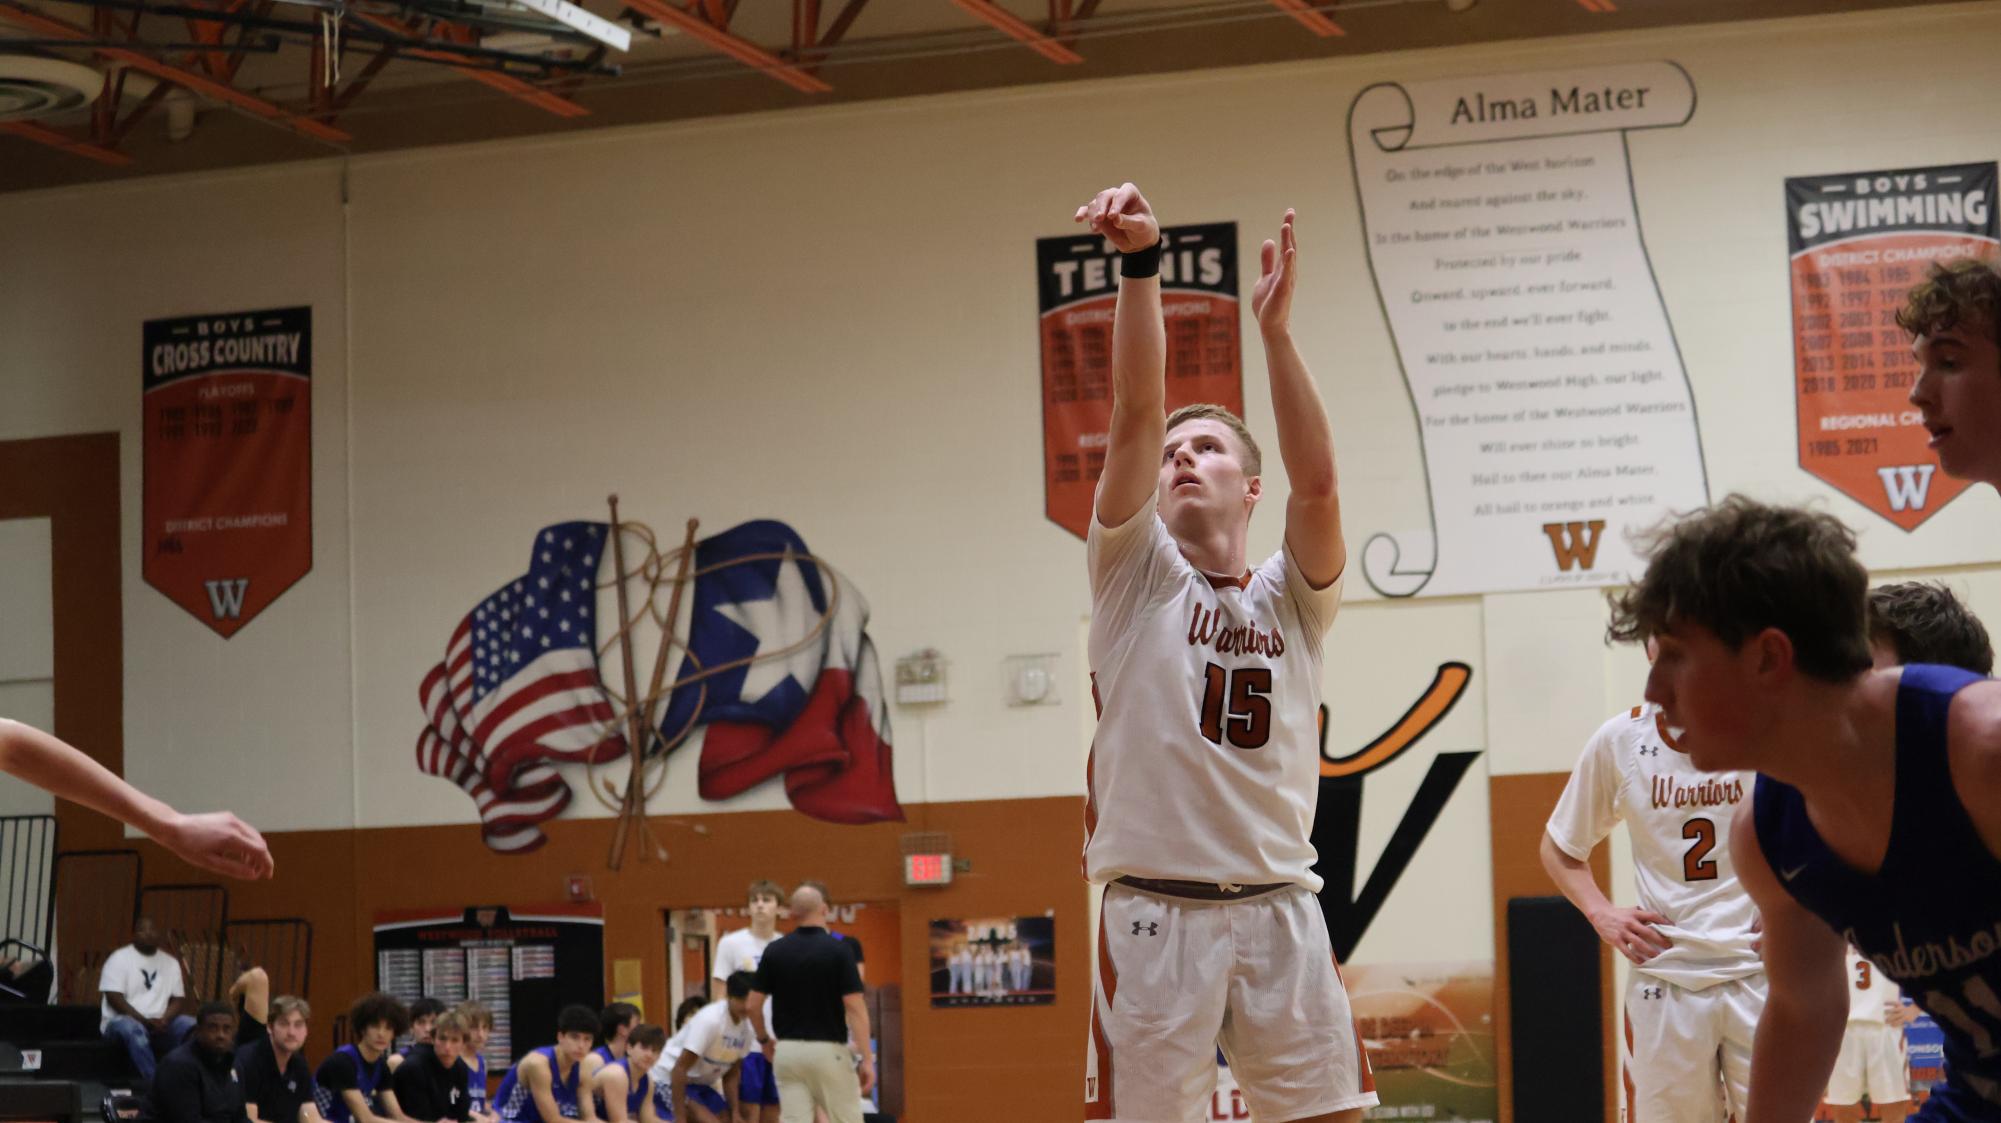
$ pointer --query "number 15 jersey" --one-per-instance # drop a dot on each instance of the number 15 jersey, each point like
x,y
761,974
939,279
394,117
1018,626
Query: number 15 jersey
x,y
1206,762
1679,819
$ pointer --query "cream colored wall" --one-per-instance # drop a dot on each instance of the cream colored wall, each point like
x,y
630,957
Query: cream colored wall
x,y
826,317
263,722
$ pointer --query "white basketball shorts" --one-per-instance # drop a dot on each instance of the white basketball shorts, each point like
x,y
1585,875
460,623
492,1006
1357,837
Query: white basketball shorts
x,y
1176,978
1872,1062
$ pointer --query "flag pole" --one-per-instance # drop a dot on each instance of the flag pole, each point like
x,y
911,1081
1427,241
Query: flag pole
x,y
635,789
633,718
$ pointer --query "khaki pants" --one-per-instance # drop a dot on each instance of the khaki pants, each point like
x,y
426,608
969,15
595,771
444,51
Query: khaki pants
x,y
816,1073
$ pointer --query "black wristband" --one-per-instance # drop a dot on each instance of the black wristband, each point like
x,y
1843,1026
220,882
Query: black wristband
x,y
1142,263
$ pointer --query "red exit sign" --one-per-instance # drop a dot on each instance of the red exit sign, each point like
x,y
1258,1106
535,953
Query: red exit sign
x,y
927,869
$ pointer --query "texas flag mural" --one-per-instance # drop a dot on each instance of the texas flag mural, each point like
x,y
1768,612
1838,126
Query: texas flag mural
x,y
780,680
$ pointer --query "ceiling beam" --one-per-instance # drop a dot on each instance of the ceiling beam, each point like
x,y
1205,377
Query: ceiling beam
x,y
740,49
21,16
1020,30
517,88
28,130
1311,17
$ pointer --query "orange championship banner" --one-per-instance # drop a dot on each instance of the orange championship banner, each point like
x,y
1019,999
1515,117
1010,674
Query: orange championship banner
x,y
1077,281
228,446
1859,242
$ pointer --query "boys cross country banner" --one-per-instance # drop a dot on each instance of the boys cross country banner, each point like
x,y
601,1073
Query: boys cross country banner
x,y
228,502
1077,277
1859,242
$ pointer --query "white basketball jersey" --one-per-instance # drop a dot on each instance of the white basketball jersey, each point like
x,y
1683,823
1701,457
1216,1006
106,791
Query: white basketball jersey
x,y
1869,990
1679,820
1206,762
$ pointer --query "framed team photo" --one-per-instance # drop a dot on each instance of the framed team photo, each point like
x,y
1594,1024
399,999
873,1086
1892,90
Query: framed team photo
x,y
994,961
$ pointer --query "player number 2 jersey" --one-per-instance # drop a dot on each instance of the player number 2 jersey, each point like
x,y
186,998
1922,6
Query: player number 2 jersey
x,y
1206,762
1679,819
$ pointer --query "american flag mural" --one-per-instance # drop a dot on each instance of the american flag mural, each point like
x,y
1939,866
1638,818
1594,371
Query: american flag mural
x,y
779,678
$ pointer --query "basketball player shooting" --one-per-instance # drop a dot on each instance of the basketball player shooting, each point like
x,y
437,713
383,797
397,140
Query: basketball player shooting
x,y
1205,768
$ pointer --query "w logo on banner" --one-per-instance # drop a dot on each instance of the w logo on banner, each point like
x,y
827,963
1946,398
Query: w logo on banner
x,y
225,598
779,669
1907,485
1575,544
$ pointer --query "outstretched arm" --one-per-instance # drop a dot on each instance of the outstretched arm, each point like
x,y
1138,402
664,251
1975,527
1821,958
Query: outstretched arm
x,y
218,842
1139,359
1806,1004
1305,439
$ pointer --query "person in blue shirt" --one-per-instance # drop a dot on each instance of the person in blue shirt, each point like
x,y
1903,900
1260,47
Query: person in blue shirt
x,y
614,1024
543,1086
1876,817
622,1090
353,1082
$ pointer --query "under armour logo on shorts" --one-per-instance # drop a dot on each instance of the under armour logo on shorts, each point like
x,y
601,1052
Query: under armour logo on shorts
x,y
1152,929
1652,992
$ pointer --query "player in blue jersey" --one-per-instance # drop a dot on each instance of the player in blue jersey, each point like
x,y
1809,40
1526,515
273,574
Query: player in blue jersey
x,y
622,1090
1877,814
543,1086
614,1023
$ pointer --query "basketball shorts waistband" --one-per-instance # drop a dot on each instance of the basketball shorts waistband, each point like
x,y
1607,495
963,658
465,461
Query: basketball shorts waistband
x,y
1200,890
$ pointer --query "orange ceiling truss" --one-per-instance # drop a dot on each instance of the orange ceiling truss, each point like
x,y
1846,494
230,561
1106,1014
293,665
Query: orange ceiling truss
x,y
218,61
448,36
1598,5
1027,34
708,22
1311,16
224,31
810,41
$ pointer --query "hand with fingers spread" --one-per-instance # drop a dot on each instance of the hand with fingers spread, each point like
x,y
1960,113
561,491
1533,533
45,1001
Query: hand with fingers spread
x,y
1271,300
1123,217
1631,932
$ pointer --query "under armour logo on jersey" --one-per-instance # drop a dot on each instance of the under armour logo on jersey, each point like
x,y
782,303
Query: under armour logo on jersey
x,y
1653,992
1650,750
150,977
1151,928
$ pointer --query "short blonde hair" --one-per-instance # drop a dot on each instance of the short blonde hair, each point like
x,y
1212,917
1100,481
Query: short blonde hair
x,y
475,1014
1252,459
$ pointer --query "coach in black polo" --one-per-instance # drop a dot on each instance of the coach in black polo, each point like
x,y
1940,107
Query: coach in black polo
x,y
816,1000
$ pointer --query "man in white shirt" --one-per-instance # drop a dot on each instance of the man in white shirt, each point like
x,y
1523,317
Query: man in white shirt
x,y
143,1003
741,950
701,1066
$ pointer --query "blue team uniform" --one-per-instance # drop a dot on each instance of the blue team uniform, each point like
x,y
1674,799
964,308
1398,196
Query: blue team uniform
x,y
1931,917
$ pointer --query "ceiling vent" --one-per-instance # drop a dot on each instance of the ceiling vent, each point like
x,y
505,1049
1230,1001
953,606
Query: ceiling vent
x,y
33,87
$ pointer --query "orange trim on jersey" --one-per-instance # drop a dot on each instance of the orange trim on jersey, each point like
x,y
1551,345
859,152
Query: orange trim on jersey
x,y
1090,806
1090,781
1636,712
1626,1074
1104,1107
1216,582
1661,727
1362,1066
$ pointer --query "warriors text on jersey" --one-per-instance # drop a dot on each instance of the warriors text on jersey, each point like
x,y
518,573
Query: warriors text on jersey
x,y
1206,763
1679,819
